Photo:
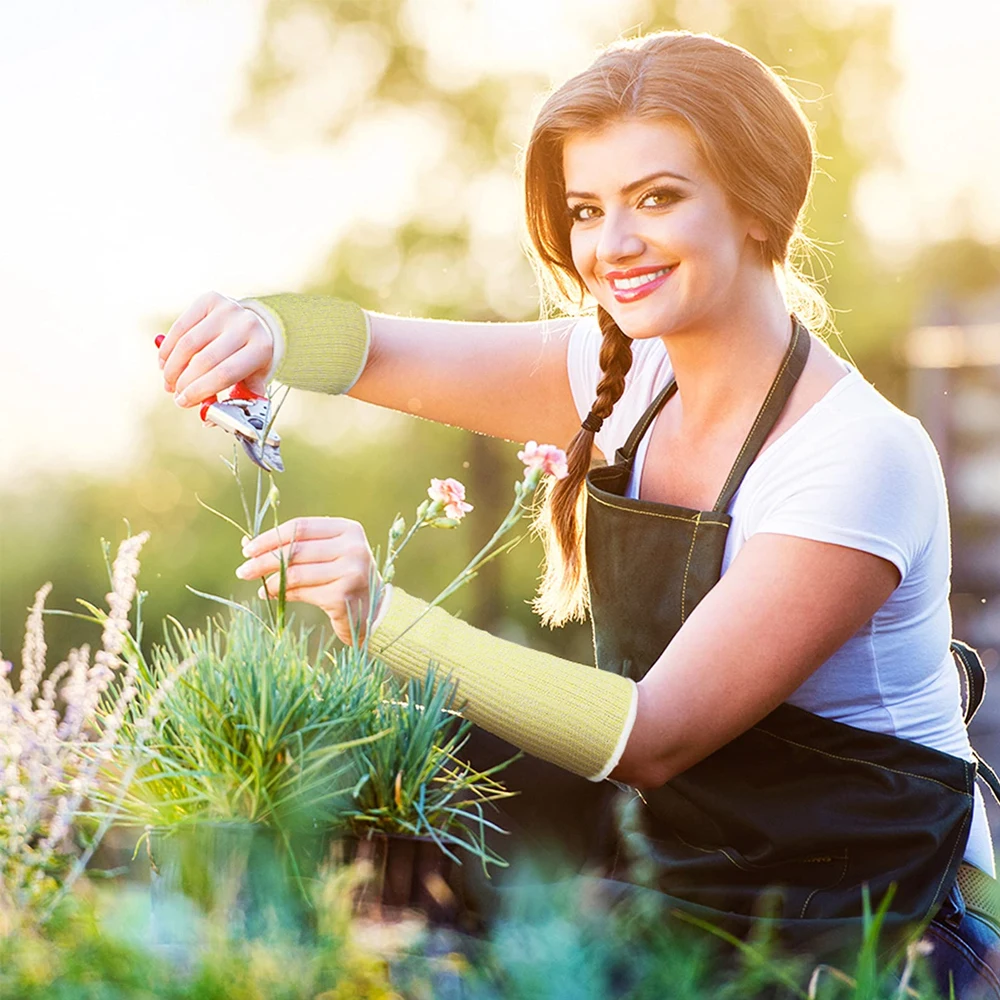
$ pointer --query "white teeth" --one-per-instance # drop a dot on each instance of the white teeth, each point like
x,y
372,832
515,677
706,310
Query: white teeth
x,y
624,284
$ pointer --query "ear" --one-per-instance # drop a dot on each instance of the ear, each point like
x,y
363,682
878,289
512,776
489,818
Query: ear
x,y
756,231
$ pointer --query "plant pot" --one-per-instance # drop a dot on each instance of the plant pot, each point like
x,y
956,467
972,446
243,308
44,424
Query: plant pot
x,y
407,873
236,873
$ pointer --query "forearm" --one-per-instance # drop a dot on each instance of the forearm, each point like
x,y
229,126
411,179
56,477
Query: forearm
x,y
507,380
455,372
575,716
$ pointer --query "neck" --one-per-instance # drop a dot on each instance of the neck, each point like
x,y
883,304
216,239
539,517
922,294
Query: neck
x,y
724,367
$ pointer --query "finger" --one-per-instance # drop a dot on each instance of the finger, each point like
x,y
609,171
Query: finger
x,y
217,347
202,378
300,529
320,550
305,575
204,331
194,314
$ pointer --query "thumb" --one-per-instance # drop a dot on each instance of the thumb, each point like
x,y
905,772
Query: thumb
x,y
256,383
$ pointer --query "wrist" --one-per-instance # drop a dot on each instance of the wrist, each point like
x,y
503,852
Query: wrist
x,y
324,340
270,323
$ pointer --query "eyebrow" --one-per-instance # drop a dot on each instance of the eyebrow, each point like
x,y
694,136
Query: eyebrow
x,y
629,188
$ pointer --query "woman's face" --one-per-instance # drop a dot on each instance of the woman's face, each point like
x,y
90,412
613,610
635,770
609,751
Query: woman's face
x,y
653,235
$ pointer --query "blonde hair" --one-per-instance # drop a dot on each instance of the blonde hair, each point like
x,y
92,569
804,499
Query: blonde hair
x,y
755,139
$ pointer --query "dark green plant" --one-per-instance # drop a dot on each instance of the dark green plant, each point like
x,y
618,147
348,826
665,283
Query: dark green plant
x,y
413,778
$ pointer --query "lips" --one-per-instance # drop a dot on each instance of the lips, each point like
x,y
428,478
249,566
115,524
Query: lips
x,y
637,282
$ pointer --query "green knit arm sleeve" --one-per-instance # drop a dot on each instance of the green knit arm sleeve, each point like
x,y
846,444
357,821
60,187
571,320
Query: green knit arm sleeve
x,y
573,715
324,340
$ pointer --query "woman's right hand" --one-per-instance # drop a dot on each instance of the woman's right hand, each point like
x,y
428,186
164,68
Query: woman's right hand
x,y
211,346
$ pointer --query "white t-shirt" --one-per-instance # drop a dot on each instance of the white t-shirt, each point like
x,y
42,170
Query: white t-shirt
x,y
852,470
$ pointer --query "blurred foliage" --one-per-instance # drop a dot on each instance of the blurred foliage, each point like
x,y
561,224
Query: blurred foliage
x,y
561,940
342,69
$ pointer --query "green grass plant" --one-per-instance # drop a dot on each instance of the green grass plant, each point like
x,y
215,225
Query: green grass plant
x,y
413,779
255,731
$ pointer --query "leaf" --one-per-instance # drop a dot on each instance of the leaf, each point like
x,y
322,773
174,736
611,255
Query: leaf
x,y
218,513
231,604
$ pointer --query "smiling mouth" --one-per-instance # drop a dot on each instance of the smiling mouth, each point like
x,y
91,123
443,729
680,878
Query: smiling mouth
x,y
627,284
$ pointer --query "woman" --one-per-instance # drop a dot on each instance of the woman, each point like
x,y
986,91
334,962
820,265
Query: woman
x,y
766,557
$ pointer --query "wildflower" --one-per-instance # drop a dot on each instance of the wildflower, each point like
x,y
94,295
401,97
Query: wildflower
x,y
451,493
547,457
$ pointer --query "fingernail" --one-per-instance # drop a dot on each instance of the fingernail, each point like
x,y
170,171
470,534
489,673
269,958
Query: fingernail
x,y
261,593
241,571
180,399
159,339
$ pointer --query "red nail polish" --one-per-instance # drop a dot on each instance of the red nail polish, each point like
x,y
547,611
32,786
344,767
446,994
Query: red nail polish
x,y
159,339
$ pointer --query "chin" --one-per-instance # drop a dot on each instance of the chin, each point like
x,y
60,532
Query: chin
x,y
645,327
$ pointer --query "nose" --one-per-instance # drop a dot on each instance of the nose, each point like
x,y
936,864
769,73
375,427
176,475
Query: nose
x,y
620,239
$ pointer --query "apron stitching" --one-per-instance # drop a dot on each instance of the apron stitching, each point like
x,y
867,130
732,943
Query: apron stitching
x,y
714,850
833,885
958,840
653,513
861,760
687,567
771,391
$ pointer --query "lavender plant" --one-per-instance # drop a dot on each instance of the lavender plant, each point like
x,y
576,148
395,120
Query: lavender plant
x,y
53,760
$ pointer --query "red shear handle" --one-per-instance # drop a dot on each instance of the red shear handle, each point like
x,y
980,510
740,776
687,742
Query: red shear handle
x,y
238,391
242,391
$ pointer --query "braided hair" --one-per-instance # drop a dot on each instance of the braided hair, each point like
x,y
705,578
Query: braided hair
x,y
562,595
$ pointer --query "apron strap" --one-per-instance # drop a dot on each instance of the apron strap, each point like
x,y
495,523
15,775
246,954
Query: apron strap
x,y
971,666
788,374
626,453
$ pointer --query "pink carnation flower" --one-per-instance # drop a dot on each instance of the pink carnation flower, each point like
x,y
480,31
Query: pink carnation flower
x,y
451,493
547,457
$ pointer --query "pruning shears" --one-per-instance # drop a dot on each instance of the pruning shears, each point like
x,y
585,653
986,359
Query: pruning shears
x,y
246,414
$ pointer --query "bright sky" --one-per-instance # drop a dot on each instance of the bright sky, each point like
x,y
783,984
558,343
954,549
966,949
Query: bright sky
x,y
126,192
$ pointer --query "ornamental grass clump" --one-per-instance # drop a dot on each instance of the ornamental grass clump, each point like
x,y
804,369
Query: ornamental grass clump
x,y
58,737
257,731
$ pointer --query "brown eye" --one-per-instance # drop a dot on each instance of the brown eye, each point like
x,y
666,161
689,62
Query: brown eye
x,y
659,197
583,213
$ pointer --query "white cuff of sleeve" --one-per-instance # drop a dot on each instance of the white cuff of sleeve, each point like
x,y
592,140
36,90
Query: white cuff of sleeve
x,y
623,740
277,336
383,607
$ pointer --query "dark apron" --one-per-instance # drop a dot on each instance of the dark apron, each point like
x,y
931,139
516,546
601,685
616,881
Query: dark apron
x,y
800,804
797,813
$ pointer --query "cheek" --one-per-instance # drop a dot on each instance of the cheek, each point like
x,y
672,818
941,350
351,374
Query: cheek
x,y
710,241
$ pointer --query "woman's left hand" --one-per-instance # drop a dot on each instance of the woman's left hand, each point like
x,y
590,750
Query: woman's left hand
x,y
329,563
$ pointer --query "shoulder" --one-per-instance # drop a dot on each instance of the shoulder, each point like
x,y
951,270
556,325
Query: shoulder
x,y
855,423
854,470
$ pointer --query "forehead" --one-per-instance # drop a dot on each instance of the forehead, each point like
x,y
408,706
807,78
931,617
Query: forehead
x,y
625,150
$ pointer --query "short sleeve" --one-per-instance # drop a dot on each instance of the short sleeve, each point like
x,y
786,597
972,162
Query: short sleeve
x,y
583,363
874,485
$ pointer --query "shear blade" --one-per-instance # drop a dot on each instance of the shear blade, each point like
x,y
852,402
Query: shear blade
x,y
240,417
267,458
